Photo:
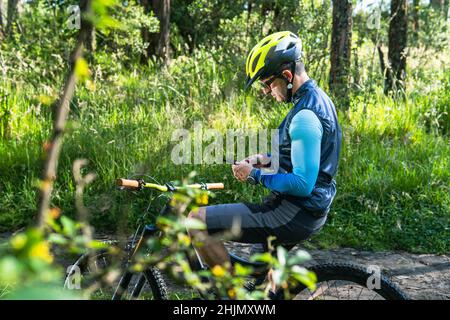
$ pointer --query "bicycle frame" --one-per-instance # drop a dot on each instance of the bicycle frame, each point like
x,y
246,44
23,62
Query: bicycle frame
x,y
150,231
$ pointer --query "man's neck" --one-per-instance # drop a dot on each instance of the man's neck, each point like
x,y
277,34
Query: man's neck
x,y
298,81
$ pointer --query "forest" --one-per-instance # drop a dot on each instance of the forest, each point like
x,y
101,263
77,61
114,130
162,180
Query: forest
x,y
93,90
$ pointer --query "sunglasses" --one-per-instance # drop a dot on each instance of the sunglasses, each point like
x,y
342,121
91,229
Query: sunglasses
x,y
269,82
266,84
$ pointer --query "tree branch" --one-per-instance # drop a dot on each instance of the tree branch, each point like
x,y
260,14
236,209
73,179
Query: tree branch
x,y
61,113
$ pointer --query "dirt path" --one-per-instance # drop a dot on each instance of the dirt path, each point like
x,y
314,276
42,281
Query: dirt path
x,y
421,276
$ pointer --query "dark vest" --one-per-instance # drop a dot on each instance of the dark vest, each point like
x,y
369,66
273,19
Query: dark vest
x,y
310,96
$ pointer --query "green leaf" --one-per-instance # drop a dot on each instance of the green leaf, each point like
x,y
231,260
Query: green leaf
x,y
69,227
165,221
191,223
300,257
10,269
304,276
40,291
281,255
242,270
57,239
96,244
263,257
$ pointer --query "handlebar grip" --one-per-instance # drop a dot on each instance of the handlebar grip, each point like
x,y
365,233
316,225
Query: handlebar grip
x,y
127,183
214,186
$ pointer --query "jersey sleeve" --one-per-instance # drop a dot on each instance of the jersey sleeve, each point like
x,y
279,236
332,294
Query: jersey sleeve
x,y
306,136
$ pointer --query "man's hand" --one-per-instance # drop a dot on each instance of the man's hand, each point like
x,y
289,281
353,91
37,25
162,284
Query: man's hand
x,y
241,170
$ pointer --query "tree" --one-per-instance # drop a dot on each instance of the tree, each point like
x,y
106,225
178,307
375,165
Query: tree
x,y
398,35
415,16
158,43
11,15
437,4
341,39
440,6
446,3
2,32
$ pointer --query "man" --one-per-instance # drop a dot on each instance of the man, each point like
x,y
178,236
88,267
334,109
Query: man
x,y
309,144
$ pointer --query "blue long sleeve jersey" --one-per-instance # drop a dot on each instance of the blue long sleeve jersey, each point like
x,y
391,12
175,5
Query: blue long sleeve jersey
x,y
306,135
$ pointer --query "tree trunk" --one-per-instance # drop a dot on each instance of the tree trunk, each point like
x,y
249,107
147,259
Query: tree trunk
x,y
11,15
415,15
144,31
249,14
158,42
437,5
384,70
341,40
446,2
91,41
164,34
2,30
398,35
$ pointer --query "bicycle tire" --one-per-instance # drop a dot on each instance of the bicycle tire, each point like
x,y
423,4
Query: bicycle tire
x,y
152,277
156,282
346,272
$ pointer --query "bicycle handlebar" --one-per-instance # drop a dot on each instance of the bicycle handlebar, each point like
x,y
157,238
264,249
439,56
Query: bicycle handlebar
x,y
138,184
128,183
209,186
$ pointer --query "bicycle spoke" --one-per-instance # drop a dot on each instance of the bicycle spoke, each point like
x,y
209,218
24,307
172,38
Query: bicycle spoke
x,y
319,291
362,288
337,290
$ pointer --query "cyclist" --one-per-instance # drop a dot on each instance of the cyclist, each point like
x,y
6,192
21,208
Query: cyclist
x,y
309,145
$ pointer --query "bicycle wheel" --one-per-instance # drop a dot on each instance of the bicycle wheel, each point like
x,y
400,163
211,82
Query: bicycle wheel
x,y
102,279
341,281
147,285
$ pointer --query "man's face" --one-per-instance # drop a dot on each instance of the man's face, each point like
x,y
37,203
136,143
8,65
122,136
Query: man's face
x,y
276,87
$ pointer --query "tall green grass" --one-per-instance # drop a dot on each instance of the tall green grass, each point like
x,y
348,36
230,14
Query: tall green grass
x,y
393,179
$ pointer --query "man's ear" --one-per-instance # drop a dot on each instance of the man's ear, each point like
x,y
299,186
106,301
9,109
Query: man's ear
x,y
287,75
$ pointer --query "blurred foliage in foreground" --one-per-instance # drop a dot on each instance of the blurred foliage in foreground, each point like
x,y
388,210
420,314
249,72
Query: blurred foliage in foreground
x,y
28,269
393,180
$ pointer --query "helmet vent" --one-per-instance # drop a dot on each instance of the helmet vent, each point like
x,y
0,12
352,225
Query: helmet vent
x,y
290,46
255,62
265,43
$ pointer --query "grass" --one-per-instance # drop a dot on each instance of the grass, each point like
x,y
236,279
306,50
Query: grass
x,y
393,179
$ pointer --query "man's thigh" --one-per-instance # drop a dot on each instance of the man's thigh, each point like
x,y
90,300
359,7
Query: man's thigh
x,y
256,222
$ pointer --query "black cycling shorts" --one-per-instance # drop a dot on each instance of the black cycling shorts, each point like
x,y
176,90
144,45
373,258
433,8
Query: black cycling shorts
x,y
256,222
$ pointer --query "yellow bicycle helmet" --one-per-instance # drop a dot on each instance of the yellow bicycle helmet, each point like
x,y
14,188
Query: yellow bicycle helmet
x,y
266,58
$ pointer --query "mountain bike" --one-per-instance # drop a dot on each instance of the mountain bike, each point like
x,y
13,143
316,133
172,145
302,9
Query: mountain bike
x,y
336,281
